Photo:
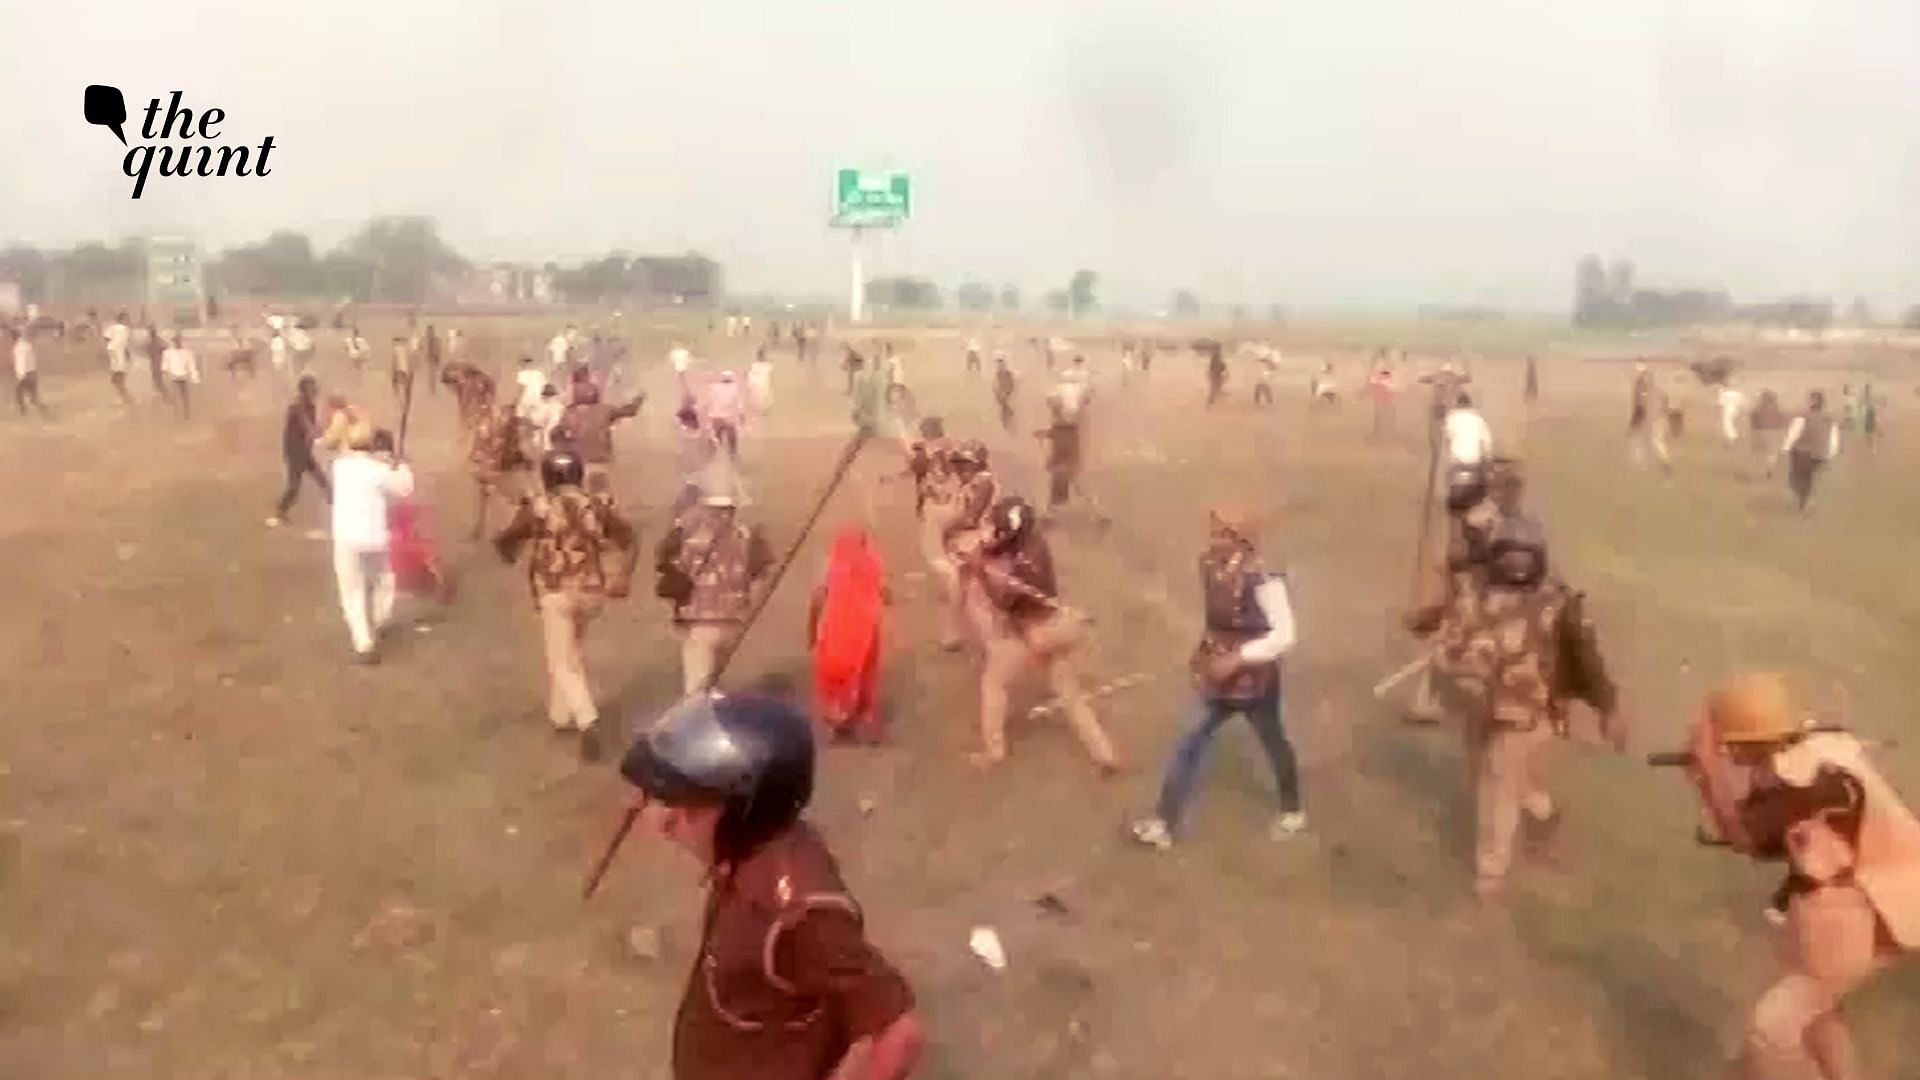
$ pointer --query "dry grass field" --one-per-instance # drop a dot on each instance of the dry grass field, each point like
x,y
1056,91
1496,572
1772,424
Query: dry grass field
x,y
224,852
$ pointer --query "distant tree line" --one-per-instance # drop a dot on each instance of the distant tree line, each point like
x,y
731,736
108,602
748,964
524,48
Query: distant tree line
x,y
911,293
656,279
396,259
1604,296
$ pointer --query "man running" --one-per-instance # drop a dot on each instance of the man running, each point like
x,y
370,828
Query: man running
x,y
297,435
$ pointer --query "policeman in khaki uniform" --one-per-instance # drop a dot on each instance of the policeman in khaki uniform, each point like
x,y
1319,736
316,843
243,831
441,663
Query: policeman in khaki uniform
x,y
1012,598
960,491
929,464
709,566
583,553
1476,497
1514,648
1776,790
494,457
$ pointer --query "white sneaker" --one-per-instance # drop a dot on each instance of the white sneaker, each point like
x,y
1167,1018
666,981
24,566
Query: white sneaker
x,y
275,521
1288,825
1154,833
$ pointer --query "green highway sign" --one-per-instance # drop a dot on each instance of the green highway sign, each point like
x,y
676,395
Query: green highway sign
x,y
866,198
173,271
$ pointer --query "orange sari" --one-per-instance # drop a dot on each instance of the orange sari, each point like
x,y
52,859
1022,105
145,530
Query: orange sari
x,y
846,646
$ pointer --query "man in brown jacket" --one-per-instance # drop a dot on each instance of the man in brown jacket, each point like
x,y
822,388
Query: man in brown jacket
x,y
709,564
587,428
583,553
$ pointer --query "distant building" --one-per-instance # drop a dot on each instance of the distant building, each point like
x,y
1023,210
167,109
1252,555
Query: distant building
x,y
502,283
1620,281
669,280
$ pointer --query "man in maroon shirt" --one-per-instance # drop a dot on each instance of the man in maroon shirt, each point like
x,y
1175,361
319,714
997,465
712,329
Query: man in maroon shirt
x,y
786,986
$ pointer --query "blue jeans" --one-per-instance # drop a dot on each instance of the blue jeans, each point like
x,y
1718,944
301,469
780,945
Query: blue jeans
x,y
1204,719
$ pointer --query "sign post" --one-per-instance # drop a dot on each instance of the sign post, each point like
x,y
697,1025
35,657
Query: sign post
x,y
174,283
868,199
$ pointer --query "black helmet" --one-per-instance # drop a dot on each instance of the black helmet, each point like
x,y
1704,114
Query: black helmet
x,y
1466,486
561,468
1506,482
1012,519
753,755
1517,552
932,427
970,454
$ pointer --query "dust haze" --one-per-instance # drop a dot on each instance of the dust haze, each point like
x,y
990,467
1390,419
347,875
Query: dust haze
x,y
1374,154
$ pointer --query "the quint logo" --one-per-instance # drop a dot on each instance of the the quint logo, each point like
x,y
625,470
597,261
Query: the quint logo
x,y
198,153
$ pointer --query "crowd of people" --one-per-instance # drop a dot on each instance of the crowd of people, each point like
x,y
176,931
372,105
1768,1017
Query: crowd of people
x,y
787,984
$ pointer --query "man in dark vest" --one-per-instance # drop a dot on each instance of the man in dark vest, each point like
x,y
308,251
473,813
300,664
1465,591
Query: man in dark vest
x,y
1236,669
1812,440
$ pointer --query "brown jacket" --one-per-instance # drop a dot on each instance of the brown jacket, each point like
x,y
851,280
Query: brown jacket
x,y
588,428
579,542
722,556
785,981
1518,656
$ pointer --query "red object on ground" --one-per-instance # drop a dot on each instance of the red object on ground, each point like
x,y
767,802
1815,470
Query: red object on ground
x,y
846,649
416,562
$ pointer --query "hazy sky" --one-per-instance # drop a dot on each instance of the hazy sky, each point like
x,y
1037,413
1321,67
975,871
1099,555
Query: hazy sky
x,y
1333,153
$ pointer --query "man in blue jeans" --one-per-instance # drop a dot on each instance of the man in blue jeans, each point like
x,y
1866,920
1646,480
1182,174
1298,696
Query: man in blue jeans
x,y
1249,627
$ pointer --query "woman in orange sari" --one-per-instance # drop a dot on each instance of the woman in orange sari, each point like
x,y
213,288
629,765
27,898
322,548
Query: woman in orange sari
x,y
845,624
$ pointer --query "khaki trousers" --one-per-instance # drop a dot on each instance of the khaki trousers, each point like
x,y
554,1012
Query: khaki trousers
x,y
700,646
1007,653
1834,943
946,574
564,616
1507,766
